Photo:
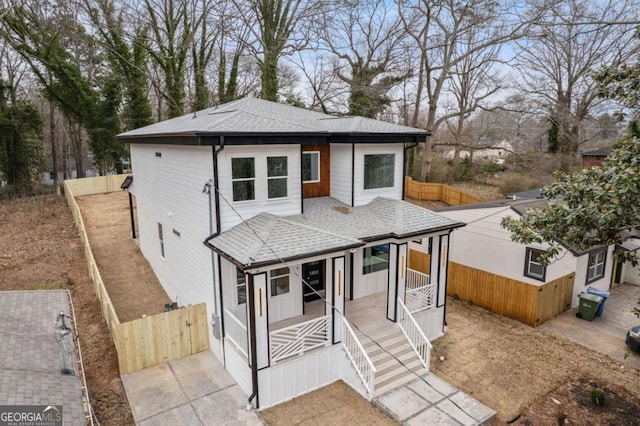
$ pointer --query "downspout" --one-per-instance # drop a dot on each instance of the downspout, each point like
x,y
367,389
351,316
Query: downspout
x,y
446,283
217,331
253,355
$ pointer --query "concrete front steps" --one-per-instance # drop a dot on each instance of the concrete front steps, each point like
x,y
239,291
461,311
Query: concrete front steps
x,y
390,373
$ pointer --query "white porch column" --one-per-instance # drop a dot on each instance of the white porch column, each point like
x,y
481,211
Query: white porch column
x,y
260,316
401,276
328,306
339,291
392,284
434,269
442,271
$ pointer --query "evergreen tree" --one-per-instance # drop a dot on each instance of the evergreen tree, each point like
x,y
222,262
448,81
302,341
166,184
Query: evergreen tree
x,y
20,151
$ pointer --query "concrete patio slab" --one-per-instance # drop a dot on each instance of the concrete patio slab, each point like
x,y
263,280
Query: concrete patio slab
x,y
195,390
430,400
607,333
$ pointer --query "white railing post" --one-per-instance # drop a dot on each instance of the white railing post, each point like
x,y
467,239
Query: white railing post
x,y
299,338
235,331
359,358
414,334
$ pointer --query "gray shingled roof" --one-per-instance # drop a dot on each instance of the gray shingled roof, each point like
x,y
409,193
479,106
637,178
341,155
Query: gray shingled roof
x,y
327,225
259,116
30,356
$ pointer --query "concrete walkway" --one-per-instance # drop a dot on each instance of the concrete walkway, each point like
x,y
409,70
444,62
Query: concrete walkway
x,y
195,390
429,400
605,334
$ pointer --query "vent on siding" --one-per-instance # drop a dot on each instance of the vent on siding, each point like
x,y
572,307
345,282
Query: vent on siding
x,y
158,154
176,232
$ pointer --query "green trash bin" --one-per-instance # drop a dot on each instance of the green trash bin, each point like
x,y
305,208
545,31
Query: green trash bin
x,y
588,306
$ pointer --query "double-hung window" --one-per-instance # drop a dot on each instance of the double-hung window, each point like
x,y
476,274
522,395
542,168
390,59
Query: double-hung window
x,y
279,281
595,269
311,166
277,177
379,170
243,178
533,266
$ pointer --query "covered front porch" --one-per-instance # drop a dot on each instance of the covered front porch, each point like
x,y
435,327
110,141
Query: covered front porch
x,y
313,291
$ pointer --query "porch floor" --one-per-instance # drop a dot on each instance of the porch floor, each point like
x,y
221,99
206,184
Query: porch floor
x,y
367,313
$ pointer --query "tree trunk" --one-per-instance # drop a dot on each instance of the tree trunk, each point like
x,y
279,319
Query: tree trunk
x,y
54,147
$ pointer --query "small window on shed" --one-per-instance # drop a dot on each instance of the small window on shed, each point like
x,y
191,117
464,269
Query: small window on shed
x,y
533,267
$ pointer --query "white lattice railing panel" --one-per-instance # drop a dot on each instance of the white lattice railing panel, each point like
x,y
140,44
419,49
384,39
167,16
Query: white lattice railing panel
x,y
416,279
299,338
414,334
235,331
359,358
421,298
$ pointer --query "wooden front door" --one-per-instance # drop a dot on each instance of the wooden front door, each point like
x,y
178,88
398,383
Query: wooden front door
x,y
313,276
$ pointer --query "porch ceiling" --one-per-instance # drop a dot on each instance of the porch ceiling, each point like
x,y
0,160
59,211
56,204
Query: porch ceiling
x,y
327,226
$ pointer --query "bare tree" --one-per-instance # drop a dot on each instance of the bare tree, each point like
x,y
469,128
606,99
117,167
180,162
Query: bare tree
x,y
366,38
436,28
173,25
278,28
569,42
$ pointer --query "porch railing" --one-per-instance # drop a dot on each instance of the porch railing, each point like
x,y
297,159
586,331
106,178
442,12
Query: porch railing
x,y
299,338
235,331
416,279
359,358
414,334
421,298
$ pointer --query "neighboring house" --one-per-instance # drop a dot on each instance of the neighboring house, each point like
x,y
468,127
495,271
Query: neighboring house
x,y
295,208
626,272
498,151
87,165
595,157
489,269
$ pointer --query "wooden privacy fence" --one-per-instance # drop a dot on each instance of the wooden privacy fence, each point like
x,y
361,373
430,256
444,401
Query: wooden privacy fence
x,y
419,261
108,311
527,303
147,341
438,192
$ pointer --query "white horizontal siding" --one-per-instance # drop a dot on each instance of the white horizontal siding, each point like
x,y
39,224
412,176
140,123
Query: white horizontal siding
x,y
247,209
364,196
168,190
341,172
483,244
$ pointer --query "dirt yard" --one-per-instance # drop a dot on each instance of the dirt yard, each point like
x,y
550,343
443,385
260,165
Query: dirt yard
x,y
512,368
40,249
520,371
336,404
133,286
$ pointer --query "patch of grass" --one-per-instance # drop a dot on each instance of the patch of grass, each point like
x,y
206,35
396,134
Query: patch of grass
x,y
597,397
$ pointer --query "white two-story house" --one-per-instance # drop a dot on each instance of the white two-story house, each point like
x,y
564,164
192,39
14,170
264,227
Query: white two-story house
x,y
291,226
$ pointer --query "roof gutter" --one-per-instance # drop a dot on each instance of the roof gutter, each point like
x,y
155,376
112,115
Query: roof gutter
x,y
414,234
256,265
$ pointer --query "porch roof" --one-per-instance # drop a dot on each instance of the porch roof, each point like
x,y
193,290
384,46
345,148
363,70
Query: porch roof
x,y
327,225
